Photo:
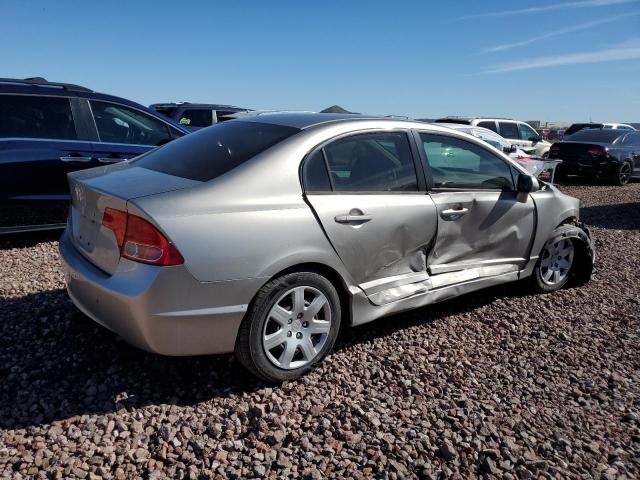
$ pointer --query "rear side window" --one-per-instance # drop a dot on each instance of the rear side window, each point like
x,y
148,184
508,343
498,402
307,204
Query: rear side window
x,y
315,175
199,117
30,116
489,125
509,130
224,115
373,162
120,124
526,132
166,111
211,152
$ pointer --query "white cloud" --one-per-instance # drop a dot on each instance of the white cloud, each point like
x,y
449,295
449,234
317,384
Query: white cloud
x,y
629,50
557,33
549,8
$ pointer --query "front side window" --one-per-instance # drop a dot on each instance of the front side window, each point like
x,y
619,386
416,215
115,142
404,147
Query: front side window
x,y
459,164
489,125
120,124
509,130
526,132
31,116
211,152
372,162
199,117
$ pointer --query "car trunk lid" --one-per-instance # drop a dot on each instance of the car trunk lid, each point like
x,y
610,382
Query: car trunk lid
x,y
94,190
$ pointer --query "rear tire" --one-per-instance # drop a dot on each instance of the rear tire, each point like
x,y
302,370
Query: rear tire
x,y
622,174
290,327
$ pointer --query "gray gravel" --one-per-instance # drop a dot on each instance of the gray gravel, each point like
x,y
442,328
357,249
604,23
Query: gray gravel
x,y
499,383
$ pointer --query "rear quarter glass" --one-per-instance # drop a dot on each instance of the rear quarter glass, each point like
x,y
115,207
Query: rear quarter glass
x,y
214,151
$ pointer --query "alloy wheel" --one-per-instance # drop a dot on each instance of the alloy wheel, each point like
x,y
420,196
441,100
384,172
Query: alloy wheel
x,y
297,327
556,262
625,173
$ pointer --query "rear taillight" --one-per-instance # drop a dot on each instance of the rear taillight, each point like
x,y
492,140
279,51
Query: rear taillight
x,y
115,220
139,240
598,151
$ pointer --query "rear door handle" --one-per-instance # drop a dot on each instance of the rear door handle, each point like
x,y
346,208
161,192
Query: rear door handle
x,y
111,159
353,218
457,213
71,158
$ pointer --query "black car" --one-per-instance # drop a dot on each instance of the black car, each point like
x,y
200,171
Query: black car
x,y
198,115
48,129
612,155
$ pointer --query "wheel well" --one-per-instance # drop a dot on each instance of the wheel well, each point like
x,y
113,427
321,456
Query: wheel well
x,y
333,276
583,260
568,221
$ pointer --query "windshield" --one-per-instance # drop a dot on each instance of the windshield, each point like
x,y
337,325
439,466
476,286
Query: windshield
x,y
593,135
213,151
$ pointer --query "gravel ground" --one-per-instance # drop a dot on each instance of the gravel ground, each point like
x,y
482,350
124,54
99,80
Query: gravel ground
x,y
499,383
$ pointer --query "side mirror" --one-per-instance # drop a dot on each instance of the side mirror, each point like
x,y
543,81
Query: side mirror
x,y
527,183
513,149
534,139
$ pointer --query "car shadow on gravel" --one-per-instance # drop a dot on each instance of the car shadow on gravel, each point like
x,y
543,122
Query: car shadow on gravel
x,y
26,240
55,363
622,216
466,303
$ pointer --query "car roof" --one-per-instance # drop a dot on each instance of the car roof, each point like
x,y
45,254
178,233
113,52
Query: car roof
x,y
464,120
461,126
607,135
307,120
213,106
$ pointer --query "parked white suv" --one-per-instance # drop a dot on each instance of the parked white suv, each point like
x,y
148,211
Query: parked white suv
x,y
618,126
518,133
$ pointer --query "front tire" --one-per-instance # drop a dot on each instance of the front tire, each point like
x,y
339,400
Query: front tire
x,y
555,265
622,174
290,327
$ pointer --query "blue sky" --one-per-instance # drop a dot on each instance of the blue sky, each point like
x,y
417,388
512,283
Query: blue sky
x,y
566,61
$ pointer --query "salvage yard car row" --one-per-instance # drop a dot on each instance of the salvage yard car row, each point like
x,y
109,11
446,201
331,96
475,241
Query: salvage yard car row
x,y
49,129
354,218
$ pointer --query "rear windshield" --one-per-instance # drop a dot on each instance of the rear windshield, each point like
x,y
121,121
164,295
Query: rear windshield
x,y
576,127
595,135
213,151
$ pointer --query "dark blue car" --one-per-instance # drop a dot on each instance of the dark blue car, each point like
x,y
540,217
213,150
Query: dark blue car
x,y
50,129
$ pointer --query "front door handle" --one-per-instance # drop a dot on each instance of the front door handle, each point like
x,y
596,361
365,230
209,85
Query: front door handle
x,y
72,158
454,214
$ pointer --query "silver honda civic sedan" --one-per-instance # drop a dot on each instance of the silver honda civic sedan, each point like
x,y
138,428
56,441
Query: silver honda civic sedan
x,y
262,236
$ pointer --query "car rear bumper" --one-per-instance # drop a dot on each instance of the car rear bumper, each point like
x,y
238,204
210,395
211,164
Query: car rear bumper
x,y
159,309
590,169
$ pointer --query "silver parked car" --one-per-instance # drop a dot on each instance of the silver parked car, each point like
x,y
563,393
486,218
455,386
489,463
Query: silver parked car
x,y
262,236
